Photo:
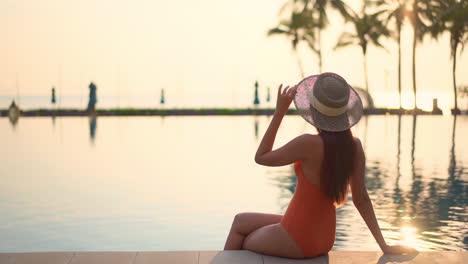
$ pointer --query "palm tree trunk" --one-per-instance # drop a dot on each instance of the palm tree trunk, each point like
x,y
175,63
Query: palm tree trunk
x,y
299,63
399,65
414,66
454,80
365,71
320,51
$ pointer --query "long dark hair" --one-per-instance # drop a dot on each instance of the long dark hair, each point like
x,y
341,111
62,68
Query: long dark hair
x,y
338,162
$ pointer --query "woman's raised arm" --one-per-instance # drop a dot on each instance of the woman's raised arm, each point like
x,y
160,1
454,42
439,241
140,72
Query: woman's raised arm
x,y
289,152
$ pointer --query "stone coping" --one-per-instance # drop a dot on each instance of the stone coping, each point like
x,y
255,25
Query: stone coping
x,y
226,257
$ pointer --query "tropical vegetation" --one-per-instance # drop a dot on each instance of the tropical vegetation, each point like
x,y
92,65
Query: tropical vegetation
x,y
302,21
450,16
395,12
368,29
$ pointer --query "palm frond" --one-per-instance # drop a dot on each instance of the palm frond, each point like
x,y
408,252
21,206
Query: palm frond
x,y
276,31
346,39
342,8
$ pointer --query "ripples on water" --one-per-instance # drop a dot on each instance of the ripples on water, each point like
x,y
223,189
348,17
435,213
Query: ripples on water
x,y
174,183
417,202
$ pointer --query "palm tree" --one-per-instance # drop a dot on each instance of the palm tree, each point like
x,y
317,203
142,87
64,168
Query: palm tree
x,y
414,14
451,16
312,37
368,28
319,21
307,20
294,30
395,10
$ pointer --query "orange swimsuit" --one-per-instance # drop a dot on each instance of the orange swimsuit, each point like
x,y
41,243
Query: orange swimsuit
x,y
310,218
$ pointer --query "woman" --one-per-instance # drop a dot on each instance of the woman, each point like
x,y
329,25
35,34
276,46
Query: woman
x,y
325,164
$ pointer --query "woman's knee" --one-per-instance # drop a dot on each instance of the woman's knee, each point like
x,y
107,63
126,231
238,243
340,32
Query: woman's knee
x,y
247,222
240,220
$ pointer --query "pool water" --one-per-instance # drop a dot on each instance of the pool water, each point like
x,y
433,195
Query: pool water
x,y
175,183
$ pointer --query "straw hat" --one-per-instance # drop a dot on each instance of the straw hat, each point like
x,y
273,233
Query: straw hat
x,y
328,102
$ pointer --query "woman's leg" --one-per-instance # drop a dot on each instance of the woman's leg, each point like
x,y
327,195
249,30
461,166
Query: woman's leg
x,y
246,223
273,240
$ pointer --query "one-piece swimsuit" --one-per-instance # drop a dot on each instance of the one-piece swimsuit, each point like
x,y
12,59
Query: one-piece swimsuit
x,y
310,219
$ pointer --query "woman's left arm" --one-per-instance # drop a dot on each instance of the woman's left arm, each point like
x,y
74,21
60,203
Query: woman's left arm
x,y
290,152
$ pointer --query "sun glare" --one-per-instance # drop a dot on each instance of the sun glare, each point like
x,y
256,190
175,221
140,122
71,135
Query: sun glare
x,y
408,7
424,100
408,236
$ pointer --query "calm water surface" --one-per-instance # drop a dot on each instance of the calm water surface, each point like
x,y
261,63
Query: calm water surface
x,y
175,183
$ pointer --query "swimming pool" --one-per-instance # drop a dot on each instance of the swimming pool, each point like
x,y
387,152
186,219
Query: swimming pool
x,y
175,183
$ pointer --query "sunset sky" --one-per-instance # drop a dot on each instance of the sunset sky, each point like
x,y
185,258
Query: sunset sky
x,y
204,53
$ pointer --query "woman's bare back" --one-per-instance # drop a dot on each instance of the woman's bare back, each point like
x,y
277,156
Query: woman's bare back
x,y
312,164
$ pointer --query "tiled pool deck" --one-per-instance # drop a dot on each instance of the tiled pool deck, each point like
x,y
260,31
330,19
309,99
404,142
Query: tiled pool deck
x,y
225,257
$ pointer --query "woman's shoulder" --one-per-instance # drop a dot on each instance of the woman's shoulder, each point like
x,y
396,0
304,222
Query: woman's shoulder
x,y
310,140
359,149
314,140
357,141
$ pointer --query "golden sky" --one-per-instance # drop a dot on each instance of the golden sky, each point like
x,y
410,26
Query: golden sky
x,y
205,53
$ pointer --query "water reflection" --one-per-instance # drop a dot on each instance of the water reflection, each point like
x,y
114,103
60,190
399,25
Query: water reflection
x,y
415,174
453,160
397,196
406,232
415,203
13,121
256,127
286,181
92,127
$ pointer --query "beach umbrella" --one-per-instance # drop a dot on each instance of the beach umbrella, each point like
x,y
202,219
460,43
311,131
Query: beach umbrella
x,y
53,100
256,100
163,99
268,94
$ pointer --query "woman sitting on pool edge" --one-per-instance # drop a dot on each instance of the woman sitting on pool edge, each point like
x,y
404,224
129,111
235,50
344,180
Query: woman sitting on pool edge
x,y
325,165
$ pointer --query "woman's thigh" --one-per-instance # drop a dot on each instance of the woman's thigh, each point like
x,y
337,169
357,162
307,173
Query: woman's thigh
x,y
246,223
272,240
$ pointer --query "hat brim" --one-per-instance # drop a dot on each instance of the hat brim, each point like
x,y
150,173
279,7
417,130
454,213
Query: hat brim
x,y
328,123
